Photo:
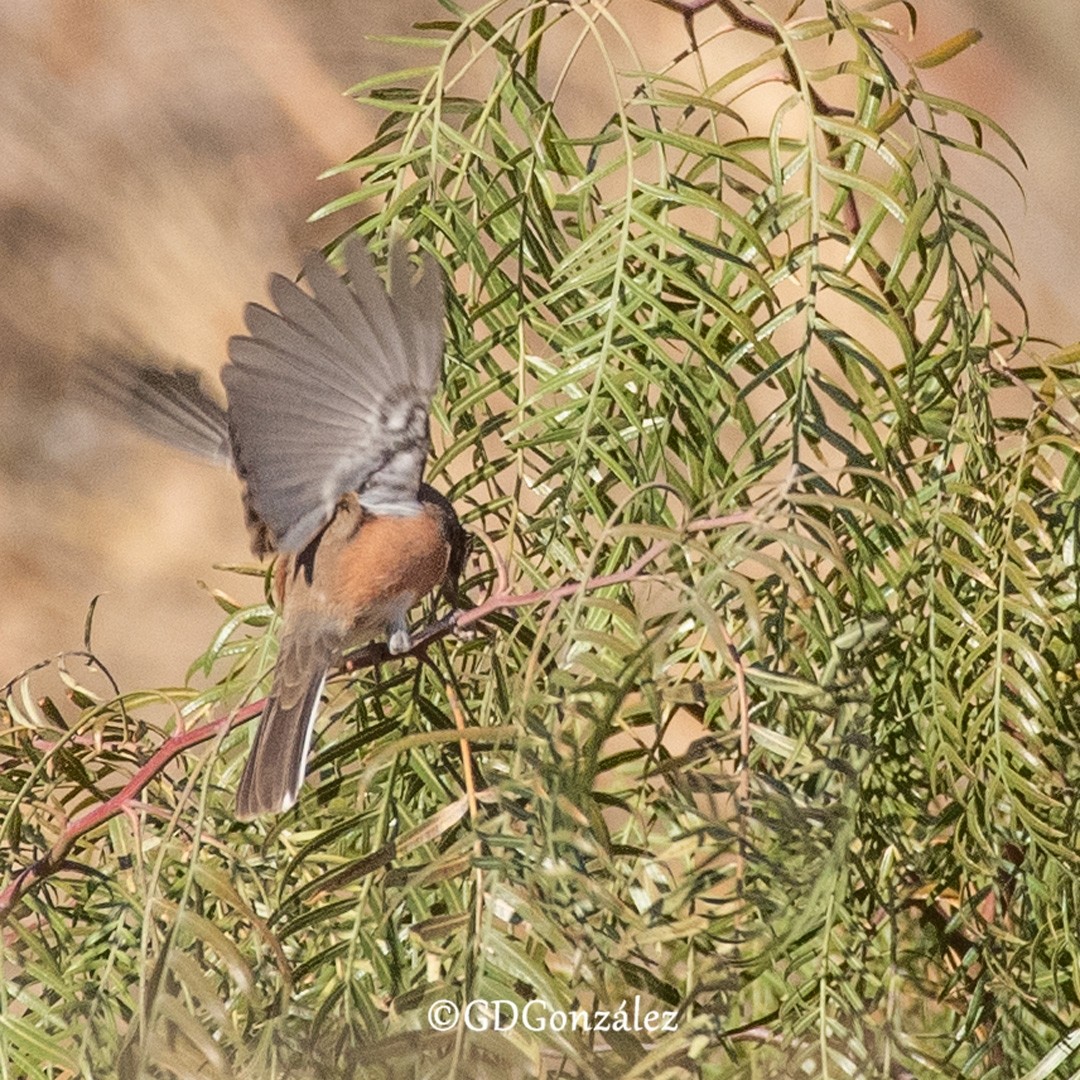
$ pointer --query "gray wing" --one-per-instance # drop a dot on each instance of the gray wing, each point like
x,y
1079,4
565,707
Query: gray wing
x,y
169,404
332,394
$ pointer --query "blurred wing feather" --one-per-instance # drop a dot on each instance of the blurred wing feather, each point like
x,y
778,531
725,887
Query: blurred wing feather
x,y
168,404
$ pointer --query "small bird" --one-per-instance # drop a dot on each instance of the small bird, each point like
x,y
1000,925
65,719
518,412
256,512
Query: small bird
x,y
327,428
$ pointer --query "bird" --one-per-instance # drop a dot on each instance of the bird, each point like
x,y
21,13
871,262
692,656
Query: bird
x,y
326,424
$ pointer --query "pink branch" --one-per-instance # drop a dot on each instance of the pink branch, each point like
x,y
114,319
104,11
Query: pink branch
x,y
50,863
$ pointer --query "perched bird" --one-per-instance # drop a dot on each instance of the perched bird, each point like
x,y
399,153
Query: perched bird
x,y
327,427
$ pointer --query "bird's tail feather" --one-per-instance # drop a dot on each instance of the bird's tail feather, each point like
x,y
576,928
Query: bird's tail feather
x,y
275,767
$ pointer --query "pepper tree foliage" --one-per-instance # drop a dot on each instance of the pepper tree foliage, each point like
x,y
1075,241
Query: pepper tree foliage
x,y
805,780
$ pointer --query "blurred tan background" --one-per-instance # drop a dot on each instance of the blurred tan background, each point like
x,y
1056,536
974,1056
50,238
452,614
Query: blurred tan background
x,y
157,160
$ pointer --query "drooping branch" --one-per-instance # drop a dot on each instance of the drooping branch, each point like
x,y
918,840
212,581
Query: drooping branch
x,y
742,21
56,858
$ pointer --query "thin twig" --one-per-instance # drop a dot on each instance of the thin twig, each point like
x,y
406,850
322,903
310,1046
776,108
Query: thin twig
x,y
466,752
470,794
742,797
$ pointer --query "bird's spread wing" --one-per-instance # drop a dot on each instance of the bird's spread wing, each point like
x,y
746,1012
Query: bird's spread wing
x,y
332,394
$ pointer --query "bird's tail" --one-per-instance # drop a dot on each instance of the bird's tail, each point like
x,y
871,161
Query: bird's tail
x,y
168,404
275,767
